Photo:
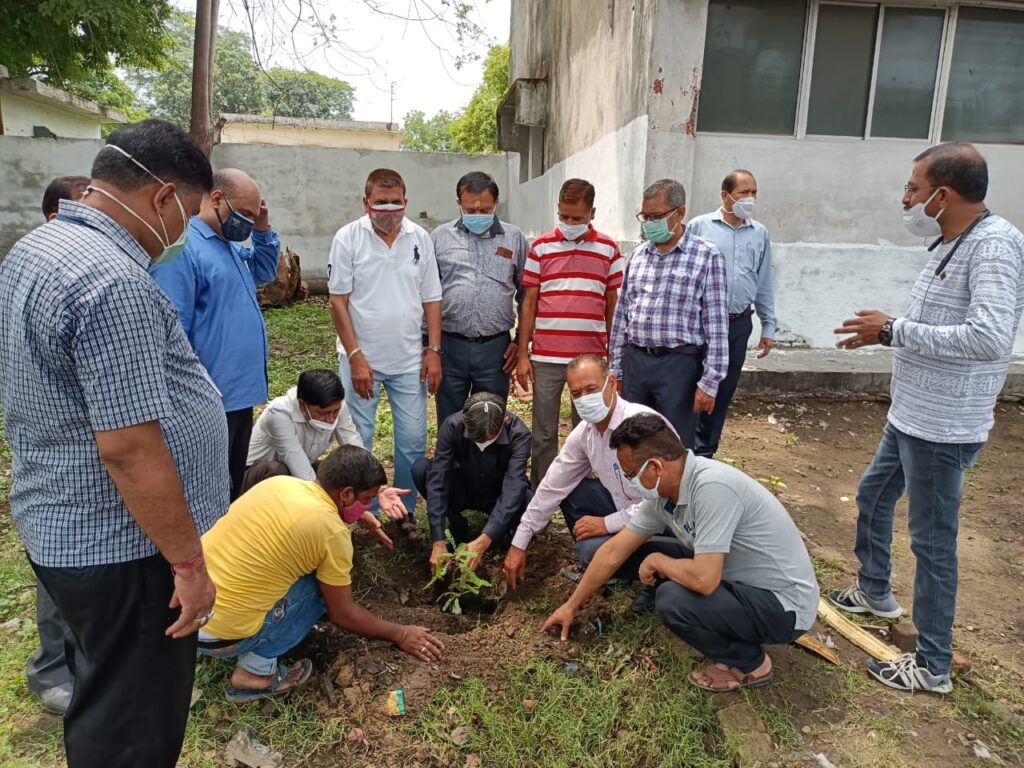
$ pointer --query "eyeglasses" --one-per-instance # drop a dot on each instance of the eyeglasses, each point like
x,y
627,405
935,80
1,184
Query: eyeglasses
x,y
642,217
636,474
910,189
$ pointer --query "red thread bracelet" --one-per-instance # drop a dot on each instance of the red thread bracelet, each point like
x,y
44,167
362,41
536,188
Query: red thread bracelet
x,y
189,565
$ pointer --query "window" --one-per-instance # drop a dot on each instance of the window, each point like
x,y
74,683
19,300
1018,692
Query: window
x,y
985,96
752,60
844,53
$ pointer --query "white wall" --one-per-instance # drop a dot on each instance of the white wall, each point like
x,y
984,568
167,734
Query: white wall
x,y
20,115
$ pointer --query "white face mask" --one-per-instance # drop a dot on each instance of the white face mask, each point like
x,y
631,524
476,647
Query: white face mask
x,y
649,494
919,223
572,231
323,426
483,446
744,207
592,408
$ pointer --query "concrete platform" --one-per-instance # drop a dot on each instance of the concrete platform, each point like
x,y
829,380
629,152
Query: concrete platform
x,y
825,372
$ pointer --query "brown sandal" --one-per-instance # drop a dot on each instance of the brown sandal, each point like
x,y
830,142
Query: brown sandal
x,y
718,678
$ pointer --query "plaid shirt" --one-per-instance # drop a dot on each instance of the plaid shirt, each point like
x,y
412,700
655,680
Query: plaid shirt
x,y
675,299
89,343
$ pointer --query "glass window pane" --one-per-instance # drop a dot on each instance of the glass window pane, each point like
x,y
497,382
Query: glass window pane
x,y
907,64
985,96
844,52
752,66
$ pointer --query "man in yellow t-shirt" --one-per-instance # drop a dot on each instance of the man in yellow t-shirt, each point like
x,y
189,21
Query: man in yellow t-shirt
x,y
281,558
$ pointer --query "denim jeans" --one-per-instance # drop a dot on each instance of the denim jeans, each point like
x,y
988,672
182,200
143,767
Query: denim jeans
x,y
285,626
933,476
407,396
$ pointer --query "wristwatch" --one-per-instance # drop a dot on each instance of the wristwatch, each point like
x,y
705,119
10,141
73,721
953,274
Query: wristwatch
x,y
885,333
433,348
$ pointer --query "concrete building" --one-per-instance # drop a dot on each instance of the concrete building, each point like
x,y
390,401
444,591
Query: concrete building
x,y
303,132
825,102
31,108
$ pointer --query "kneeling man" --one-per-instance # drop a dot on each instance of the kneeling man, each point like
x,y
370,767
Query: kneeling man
x,y
281,558
749,581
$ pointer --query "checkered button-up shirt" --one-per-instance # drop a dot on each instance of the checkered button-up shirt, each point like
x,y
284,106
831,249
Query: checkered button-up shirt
x,y
675,299
89,343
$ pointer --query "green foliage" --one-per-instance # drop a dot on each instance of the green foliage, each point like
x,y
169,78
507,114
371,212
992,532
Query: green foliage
x,y
476,129
291,93
464,581
429,135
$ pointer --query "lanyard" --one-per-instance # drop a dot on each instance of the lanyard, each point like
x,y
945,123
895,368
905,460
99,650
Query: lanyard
x,y
959,240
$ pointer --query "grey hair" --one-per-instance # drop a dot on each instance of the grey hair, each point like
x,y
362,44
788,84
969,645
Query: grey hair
x,y
598,360
675,193
483,415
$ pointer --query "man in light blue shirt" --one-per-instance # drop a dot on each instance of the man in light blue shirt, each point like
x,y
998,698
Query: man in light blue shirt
x,y
747,249
213,284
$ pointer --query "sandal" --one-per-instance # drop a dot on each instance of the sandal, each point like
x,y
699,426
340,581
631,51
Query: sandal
x,y
718,678
243,695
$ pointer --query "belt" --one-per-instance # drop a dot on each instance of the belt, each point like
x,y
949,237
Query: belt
x,y
213,645
741,315
685,349
475,339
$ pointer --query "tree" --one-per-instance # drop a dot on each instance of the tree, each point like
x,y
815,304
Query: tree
x,y
476,130
292,93
433,135
109,90
66,41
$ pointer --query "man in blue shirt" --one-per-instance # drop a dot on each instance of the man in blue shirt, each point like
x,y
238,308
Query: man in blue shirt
x,y
213,284
748,267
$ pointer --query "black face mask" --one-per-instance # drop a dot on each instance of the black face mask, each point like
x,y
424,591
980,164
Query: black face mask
x,y
237,228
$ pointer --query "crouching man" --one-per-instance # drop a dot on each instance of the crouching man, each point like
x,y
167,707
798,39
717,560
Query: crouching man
x,y
281,558
749,581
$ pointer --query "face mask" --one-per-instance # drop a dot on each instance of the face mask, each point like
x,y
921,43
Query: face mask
x,y
483,446
919,223
237,228
592,408
477,223
353,512
649,494
658,231
744,207
325,426
573,231
387,217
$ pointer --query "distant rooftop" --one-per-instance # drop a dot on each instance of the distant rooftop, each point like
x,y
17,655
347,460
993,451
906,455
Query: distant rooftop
x,y
34,90
306,122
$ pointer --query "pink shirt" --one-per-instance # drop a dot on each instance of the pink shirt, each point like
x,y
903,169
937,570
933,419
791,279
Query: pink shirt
x,y
586,450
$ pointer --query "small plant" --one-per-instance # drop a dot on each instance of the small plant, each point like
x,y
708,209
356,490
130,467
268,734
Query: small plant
x,y
792,439
464,581
774,483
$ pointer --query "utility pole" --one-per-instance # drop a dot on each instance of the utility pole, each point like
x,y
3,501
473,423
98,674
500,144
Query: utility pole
x,y
391,121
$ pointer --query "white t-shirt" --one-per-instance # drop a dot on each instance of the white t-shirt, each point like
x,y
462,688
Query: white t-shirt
x,y
387,288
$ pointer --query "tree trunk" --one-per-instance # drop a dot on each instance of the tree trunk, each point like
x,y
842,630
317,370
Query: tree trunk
x,y
201,124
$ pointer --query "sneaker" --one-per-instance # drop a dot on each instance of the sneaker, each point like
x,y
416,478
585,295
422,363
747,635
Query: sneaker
x,y
853,599
57,699
906,674
644,602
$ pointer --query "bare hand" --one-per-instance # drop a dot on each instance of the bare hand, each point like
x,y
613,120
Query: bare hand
x,y
418,642
649,570
764,347
478,547
439,557
511,356
362,376
703,402
390,502
562,617
262,223
195,595
524,371
515,566
431,371
373,525
588,527
865,327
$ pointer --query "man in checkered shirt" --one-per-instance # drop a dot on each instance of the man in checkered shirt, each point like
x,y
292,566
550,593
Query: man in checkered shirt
x,y
119,444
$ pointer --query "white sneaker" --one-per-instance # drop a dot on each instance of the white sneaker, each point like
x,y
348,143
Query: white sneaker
x,y
905,674
853,599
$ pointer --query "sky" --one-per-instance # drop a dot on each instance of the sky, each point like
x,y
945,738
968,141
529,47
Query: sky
x,y
376,49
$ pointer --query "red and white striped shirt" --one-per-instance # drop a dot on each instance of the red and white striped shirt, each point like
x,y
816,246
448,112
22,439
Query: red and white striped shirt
x,y
573,278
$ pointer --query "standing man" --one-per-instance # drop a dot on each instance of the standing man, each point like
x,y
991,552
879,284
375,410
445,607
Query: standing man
x,y
213,285
747,250
670,338
383,281
481,263
119,444
572,282
952,351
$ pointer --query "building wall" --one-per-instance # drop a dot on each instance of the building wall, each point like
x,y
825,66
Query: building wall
x,y
19,115
300,136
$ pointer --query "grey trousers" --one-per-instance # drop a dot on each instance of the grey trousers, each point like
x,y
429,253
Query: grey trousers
x,y
48,668
549,381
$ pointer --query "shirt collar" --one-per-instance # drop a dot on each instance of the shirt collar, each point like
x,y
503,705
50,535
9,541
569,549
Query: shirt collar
x,y
70,210
292,396
494,230
686,482
203,230
680,245
719,215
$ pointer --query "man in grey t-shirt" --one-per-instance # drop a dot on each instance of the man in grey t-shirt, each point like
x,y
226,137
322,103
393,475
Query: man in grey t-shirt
x,y
749,580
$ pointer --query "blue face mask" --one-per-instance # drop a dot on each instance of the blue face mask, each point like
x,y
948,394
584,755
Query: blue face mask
x,y
657,231
477,223
237,227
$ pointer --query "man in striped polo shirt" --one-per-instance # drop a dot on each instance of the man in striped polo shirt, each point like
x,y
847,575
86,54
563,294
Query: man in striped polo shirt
x,y
571,283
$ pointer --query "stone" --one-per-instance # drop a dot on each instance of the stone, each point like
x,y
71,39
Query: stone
x,y
746,734
11,625
472,761
356,735
1007,713
344,677
461,735
529,704
353,696
904,637
961,663
244,750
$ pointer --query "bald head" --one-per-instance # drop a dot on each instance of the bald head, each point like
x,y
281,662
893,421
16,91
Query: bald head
x,y
240,189
959,167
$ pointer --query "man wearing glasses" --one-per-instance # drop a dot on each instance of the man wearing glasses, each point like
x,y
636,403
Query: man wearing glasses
x,y
670,336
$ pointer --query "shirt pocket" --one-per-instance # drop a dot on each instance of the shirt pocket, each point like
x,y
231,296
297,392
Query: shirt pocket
x,y
747,258
498,268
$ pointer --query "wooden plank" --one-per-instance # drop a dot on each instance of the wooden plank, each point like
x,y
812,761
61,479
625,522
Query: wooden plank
x,y
814,645
856,635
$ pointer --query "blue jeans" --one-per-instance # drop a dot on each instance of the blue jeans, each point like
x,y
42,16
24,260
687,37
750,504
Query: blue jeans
x,y
408,398
933,476
285,626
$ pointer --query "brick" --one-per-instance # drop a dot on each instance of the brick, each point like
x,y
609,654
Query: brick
x,y
904,637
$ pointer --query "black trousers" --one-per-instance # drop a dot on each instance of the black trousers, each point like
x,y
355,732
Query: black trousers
x,y
469,367
667,384
133,683
731,625
48,668
709,425
239,434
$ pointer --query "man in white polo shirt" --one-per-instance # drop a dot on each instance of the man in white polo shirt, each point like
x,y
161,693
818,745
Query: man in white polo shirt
x,y
383,281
